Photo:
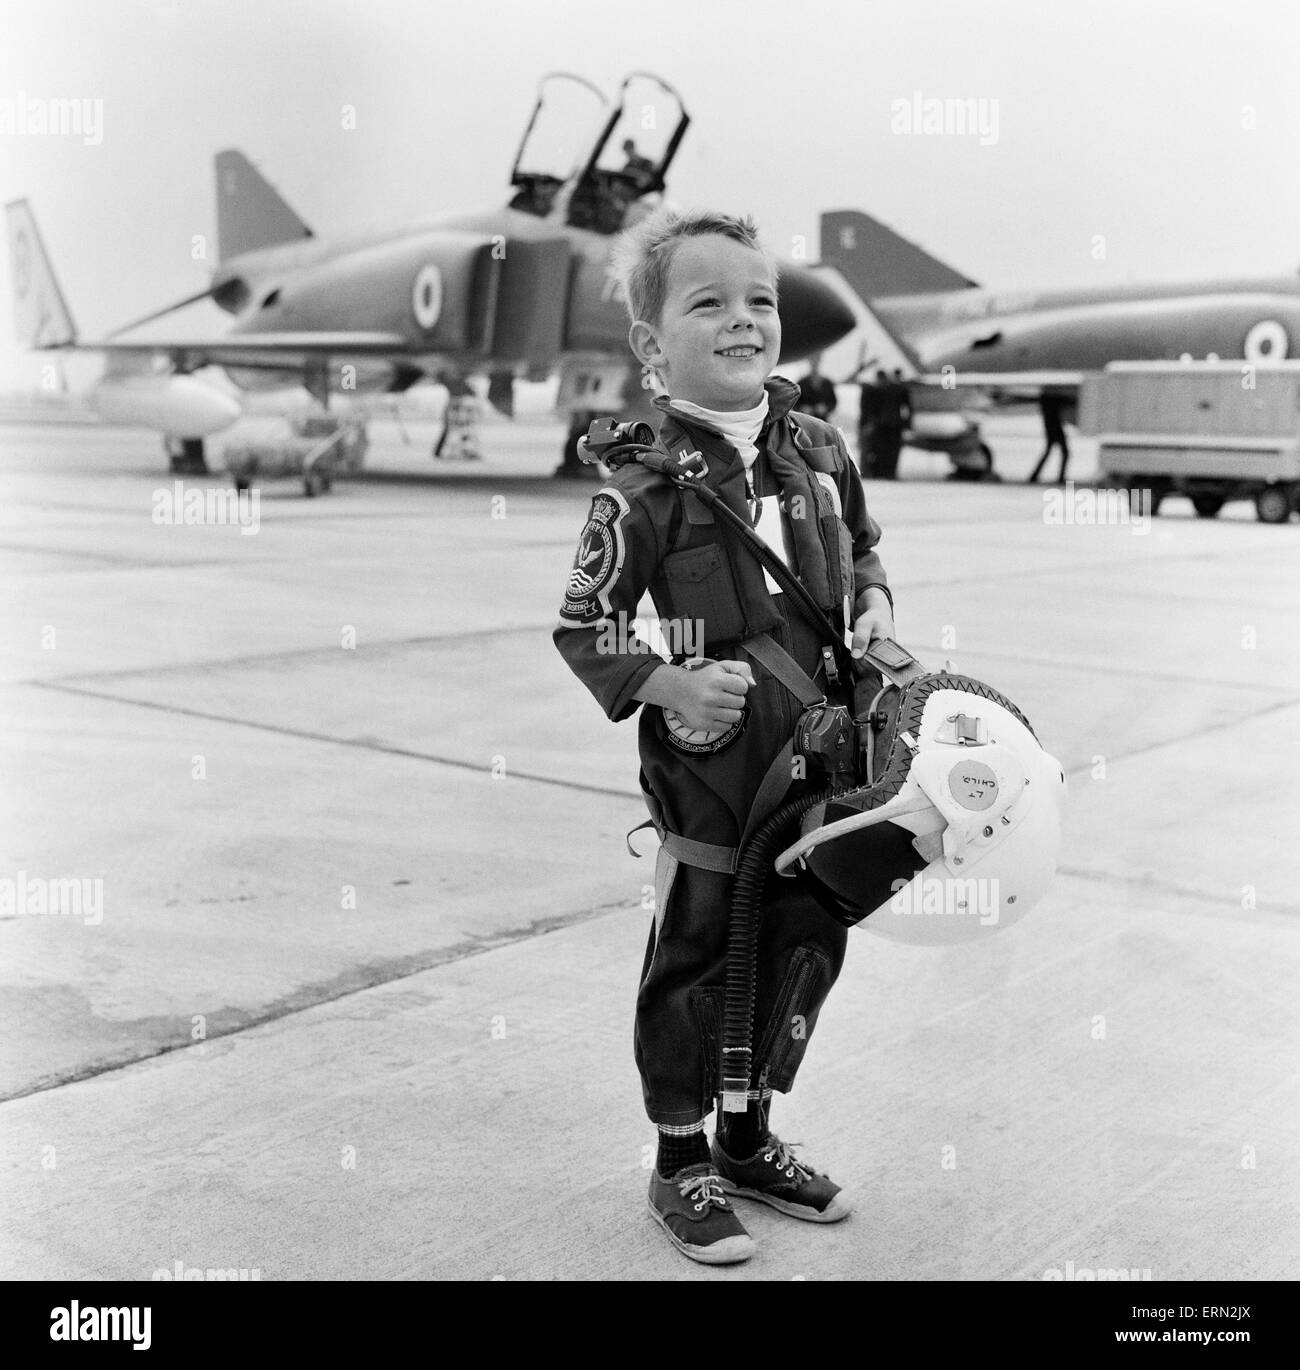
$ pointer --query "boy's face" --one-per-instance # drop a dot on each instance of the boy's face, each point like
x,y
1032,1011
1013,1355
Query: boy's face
x,y
719,334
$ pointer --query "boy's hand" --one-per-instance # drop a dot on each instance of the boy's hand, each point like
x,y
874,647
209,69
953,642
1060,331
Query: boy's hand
x,y
877,620
711,697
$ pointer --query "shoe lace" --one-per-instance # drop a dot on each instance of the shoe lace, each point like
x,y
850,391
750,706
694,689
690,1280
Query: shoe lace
x,y
780,1152
704,1190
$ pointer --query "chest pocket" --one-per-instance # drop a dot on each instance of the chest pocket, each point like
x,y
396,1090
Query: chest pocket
x,y
701,587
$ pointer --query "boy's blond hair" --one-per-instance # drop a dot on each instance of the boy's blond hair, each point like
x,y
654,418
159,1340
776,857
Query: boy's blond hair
x,y
643,254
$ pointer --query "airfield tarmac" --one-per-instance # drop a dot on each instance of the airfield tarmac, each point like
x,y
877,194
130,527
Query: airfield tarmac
x,y
360,1002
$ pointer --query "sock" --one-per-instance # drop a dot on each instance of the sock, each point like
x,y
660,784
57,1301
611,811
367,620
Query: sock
x,y
741,1134
678,1150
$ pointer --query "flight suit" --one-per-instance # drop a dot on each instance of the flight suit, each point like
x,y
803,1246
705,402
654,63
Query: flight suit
x,y
644,534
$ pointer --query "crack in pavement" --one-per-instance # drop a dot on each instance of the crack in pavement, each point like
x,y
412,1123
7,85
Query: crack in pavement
x,y
292,654
307,735
356,980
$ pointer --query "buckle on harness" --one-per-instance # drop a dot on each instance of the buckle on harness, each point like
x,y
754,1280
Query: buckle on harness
x,y
962,730
828,665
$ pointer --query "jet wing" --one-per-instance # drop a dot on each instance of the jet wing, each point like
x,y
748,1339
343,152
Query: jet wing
x,y
273,351
1032,383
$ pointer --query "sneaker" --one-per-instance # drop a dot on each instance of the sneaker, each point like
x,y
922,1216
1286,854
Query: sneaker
x,y
773,1176
700,1223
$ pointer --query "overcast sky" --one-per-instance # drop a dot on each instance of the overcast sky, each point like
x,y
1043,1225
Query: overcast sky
x,y
1173,129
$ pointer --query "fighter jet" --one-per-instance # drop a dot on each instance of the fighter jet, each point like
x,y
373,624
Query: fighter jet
x,y
954,341
523,290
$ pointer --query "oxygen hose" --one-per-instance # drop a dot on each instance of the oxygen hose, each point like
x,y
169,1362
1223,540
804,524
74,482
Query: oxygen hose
x,y
742,947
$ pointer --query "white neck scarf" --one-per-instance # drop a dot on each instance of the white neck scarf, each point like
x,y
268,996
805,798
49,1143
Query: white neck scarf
x,y
740,427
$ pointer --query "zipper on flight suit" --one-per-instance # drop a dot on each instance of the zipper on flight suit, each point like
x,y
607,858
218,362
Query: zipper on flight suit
x,y
778,1041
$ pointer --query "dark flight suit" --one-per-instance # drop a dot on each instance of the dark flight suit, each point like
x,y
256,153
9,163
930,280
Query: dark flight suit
x,y
642,534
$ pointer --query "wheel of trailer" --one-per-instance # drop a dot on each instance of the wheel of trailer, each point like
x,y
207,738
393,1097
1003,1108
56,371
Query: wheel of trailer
x,y
1150,492
186,458
987,473
312,484
1273,504
1207,506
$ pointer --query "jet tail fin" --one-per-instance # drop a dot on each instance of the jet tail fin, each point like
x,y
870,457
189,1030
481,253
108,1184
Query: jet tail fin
x,y
877,262
250,211
880,346
41,315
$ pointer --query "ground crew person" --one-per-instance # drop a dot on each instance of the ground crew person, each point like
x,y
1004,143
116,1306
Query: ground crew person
x,y
893,414
817,393
459,439
1052,408
871,399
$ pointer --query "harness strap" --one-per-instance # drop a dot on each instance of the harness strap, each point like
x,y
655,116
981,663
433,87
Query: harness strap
x,y
896,664
785,668
710,856
632,832
694,514
779,778
706,855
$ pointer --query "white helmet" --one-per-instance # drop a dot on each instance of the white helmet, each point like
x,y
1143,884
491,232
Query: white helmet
x,y
959,830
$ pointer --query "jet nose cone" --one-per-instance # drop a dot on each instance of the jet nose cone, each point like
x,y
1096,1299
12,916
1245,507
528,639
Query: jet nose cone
x,y
813,316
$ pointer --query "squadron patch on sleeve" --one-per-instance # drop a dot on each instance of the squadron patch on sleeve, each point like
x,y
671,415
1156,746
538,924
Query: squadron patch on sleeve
x,y
598,562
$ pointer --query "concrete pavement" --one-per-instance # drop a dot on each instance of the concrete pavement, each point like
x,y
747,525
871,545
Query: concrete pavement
x,y
360,999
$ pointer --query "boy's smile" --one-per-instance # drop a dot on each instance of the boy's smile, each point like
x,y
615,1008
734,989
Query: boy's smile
x,y
719,335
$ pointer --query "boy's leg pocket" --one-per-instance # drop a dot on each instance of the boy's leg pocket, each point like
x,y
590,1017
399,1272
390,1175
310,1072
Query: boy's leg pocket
x,y
793,1015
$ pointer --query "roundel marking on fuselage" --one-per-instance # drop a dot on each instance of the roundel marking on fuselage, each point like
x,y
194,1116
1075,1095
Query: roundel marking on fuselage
x,y
1266,342
426,296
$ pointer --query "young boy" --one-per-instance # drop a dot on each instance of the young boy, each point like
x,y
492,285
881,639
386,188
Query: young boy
x,y
715,740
